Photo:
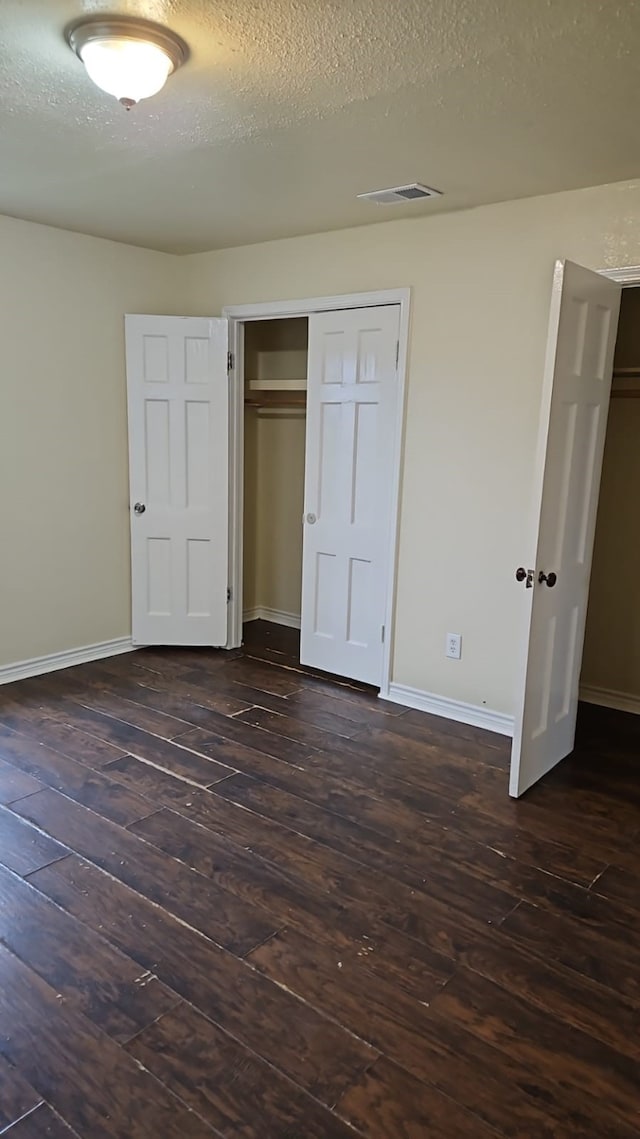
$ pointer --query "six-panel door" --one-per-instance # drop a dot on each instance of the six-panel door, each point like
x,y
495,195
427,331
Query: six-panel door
x,y
352,406
178,455
582,334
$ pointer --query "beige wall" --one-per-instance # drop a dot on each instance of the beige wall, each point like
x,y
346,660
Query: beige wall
x,y
64,521
480,284
275,353
612,643
274,486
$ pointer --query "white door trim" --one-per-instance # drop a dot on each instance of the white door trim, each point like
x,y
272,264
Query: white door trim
x,y
238,315
627,275
610,698
38,666
475,714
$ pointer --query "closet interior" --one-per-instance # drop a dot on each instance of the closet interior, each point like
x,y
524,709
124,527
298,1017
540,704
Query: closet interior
x,y
275,396
611,658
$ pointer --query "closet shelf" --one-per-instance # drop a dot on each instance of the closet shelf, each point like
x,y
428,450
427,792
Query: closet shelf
x,y
623,392
276,384
295,398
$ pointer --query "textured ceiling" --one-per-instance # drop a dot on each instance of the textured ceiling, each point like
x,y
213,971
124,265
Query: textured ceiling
x,y
289,108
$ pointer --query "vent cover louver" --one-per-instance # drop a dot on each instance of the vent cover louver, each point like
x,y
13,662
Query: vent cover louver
x,y
413,193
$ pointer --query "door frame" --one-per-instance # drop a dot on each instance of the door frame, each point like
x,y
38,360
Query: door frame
x,y
238,316
628,277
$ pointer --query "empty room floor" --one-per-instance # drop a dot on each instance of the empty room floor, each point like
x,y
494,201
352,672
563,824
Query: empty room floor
x,y
239,899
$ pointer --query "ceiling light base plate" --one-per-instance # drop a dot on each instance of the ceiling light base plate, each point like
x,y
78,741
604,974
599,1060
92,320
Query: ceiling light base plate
x,y
81,32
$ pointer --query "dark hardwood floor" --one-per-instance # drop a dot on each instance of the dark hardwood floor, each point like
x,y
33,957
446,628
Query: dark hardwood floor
x,y
239,899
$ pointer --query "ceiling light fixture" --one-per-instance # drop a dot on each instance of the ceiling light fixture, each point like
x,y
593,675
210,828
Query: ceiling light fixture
x,y
128,58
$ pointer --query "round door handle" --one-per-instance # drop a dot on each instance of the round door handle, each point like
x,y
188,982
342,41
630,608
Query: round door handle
x,y
525,575
549,578
311,519
139,508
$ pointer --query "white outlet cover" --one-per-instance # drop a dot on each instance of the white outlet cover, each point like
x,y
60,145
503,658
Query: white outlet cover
x,y
453,646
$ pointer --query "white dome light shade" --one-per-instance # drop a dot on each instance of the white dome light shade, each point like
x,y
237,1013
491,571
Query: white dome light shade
x,y
128,58
129,69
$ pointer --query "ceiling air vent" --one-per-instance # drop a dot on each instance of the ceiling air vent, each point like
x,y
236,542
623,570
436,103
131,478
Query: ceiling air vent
x,y
413,193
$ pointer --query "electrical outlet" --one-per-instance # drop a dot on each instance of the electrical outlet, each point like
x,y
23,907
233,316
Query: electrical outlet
x,y
453,647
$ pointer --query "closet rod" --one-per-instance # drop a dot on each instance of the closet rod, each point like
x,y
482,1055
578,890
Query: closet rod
x,y
626,373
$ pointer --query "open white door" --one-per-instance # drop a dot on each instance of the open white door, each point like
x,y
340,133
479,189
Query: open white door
x,y
179,475
577,383
352,404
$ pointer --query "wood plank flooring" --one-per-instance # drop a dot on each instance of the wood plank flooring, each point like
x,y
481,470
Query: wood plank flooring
x,y
241,899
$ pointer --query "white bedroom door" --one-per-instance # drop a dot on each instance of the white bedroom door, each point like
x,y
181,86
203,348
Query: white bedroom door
x,y
352,409
579,364
178,404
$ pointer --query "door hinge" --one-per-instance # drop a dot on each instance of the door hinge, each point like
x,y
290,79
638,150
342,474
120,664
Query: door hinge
x,y
229,361
382,634
229,594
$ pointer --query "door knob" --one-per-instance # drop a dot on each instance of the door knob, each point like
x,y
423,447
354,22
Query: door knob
x,y
550,578
139,508
525,575
311,519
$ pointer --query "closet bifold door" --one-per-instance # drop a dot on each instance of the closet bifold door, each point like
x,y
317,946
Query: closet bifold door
x,y
352,407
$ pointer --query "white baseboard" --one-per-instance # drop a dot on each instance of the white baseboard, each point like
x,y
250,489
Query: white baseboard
x,y
474,714
609,698
277,616
20,670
